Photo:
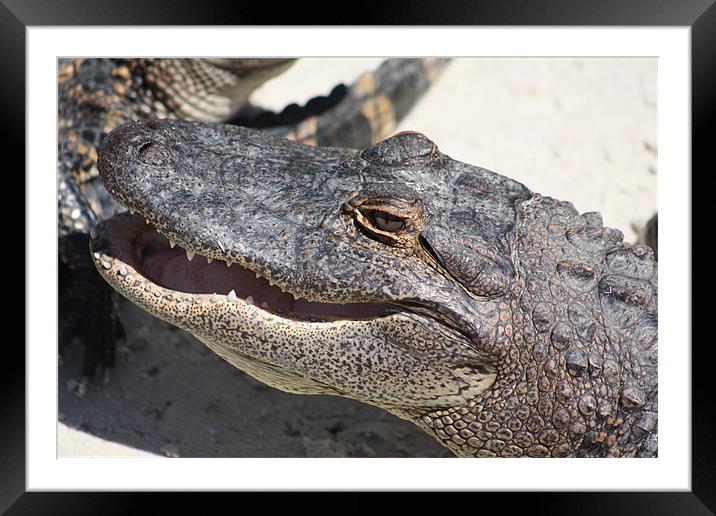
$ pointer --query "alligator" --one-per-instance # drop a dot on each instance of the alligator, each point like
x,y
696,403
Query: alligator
x,y
502,322
97,95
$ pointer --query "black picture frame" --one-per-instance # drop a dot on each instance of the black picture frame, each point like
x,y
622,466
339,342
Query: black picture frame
x,y
17,15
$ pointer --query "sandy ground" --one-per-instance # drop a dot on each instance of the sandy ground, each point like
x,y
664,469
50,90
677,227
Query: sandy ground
x,y
578,130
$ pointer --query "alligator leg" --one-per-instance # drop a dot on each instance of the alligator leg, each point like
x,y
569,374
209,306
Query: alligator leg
x,y
68,323
87,311
98,331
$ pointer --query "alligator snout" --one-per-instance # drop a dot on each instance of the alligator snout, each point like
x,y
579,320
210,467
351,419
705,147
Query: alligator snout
x,y
141,139
146,146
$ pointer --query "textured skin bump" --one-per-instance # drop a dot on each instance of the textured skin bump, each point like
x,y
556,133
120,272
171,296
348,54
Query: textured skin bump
x,y
517,327
404,148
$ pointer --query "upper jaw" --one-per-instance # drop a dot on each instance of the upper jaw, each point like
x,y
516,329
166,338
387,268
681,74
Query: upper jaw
x,y
267,204
275,208
213,191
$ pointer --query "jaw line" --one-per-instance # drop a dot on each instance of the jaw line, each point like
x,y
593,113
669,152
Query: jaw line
x,y
114,246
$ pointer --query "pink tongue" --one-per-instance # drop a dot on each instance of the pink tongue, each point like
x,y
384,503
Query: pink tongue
x,y
171,269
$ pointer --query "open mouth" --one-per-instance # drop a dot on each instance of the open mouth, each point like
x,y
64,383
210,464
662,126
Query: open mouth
x,y
133,250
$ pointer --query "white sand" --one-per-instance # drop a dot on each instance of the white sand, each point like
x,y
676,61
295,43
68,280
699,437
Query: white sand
x,y
75,443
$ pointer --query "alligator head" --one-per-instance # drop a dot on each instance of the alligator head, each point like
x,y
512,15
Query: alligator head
x,y
500,321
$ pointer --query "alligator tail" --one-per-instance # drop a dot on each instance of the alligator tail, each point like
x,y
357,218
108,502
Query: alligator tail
x,y
371,108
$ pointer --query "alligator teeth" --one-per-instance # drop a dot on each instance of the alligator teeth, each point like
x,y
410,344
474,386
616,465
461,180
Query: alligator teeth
x,y
97,255
123,270
228,264
209,260
264,305
249,300
189,255
257,274
131,211
232,296
172,244
106,265
93,234
146,221
214,298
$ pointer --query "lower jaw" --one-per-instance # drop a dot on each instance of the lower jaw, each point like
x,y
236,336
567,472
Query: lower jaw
x,y
128,250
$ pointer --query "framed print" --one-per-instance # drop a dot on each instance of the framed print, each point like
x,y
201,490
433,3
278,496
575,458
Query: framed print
x,y
532,348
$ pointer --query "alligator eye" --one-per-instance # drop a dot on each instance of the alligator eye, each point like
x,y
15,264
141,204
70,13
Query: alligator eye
x,y
390,220
386,222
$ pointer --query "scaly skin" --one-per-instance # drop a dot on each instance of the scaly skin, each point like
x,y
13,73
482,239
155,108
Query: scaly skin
x,y
502,322
97,95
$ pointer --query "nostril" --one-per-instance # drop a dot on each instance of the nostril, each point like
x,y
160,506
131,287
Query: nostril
x,y
144,146
153,153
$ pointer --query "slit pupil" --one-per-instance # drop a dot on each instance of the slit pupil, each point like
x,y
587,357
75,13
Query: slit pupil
x,y
386,221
